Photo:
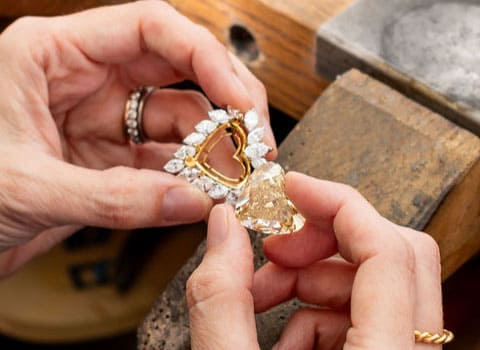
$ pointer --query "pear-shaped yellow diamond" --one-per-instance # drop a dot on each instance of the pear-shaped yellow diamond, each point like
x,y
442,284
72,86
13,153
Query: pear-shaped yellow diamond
x,y
263,205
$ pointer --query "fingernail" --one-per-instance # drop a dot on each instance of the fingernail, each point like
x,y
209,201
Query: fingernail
x,y
218,225
184,204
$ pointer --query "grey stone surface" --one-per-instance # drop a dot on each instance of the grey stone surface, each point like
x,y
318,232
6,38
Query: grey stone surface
x,y
166,326
434,42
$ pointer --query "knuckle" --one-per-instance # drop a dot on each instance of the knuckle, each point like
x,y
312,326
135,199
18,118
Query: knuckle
x,y
427,251
210,283
113,203
402,253
26,38
150,9
201,285
206,34
27,24
351,193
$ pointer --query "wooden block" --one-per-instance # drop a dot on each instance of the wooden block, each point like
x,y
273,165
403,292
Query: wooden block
x,y
18,8
415,167
276,39
424,48
282,31
408,162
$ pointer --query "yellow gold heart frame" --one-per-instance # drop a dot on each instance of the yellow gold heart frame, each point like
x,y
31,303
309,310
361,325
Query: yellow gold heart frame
x,y
236,132
191,160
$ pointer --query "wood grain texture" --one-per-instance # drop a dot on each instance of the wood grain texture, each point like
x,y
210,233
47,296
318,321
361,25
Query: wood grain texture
x,y
407,160
18,8
284,32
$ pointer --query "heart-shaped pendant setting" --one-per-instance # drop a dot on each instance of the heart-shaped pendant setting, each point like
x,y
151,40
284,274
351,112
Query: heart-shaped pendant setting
x,y
191,160
258,196
235,131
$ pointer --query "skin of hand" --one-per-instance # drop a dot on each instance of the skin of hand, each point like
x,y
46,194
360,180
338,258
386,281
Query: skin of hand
x,y
65,159
384,283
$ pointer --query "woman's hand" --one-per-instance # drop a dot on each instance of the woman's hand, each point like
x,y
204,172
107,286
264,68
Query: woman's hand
x,y
384,284
65,159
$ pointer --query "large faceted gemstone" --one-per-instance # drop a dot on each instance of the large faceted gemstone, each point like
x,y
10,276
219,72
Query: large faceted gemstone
x,y
263,205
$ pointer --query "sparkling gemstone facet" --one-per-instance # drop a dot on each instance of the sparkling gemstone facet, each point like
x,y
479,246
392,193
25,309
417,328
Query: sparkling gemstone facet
x,y
174,166
184,152
257,162
257,150
219,116
194,139
131,123
218,191
206,126
251,119
190,173
203,183
263,205
232,196
133,104
256,135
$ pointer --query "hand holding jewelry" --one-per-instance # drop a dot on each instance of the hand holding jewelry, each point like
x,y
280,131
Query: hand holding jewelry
x,y
258,196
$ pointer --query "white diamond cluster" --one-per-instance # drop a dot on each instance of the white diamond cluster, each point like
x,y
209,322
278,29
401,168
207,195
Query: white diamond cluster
x,y
255,151
131,118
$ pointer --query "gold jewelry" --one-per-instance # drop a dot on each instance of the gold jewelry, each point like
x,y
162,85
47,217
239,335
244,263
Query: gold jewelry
x,y
134,114
258,195
434,338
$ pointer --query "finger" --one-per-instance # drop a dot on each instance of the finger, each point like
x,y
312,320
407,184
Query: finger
x,y
149,69
218,292
301,248
153,155
154,26
170,115
120,197
314,329
327,283
428,308
386,261
259,95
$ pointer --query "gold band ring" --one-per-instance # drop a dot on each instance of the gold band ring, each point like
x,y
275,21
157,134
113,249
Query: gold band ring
x,y
434,338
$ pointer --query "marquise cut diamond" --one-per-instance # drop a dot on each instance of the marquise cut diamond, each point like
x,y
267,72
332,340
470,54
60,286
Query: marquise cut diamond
x,y
251,119
206,126
256,135
184,152
194,139
204,183
218,191
257,150
190,173
174,166
219,116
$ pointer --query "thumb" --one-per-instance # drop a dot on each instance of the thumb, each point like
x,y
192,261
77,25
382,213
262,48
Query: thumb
x,y
219,291
120,197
